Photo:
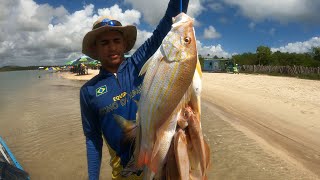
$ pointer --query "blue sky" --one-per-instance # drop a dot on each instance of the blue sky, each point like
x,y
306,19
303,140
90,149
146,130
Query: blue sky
x,y
41,32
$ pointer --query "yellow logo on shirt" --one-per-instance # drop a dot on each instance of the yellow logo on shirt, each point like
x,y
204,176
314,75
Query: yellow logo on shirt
x,y
117,98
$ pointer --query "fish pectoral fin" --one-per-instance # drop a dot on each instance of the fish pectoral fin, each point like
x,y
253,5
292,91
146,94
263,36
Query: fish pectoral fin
x,y
207,150
161,132
181,154
129,128
197,140
163,138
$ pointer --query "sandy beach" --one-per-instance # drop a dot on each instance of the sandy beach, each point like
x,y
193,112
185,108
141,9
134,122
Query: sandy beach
x,y
75,76
280,114
258,126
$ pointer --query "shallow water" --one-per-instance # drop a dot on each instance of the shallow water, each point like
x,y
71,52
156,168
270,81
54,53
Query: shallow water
x,y
40,122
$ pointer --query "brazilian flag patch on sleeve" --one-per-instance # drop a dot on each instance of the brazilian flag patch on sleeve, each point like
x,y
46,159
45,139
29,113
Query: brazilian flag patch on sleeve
x,y
101,90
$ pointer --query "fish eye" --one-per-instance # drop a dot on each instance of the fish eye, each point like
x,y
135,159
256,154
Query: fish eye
x,y
187,40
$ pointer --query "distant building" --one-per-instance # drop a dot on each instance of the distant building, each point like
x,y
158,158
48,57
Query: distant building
x,y
215,65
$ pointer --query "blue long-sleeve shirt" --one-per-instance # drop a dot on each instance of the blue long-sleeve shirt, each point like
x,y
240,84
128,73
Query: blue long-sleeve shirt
x,y
107,94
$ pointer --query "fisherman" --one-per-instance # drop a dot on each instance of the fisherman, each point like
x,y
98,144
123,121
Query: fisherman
x,y
116,89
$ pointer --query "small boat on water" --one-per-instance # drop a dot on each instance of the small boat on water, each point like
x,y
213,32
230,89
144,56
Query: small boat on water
x,y
9,166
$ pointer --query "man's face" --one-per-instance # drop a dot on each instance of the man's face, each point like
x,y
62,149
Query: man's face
x,y
110,48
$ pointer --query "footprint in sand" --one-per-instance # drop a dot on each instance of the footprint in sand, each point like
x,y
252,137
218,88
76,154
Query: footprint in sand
x,y
307,112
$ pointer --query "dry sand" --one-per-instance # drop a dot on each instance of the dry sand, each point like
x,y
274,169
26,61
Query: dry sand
x,y
75,76
258,126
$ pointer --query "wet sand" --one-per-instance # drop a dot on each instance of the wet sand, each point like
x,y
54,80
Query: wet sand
x,y
258,127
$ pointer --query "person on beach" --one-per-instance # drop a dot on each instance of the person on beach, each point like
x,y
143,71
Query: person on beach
x,y
116,89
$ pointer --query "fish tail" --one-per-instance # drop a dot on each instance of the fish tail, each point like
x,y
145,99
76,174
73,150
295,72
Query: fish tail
x,y
154,165
143,158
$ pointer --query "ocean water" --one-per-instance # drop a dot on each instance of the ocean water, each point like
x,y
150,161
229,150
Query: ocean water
x,y
40,122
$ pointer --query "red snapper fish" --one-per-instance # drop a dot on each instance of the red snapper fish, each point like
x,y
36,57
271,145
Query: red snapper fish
x,y
171,87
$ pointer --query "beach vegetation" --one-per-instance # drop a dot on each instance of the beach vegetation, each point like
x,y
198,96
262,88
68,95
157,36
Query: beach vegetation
x,y
316,53
264,56
302,65
201,59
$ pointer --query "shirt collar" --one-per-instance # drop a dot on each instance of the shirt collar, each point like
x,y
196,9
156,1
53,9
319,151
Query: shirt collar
x,y
107,73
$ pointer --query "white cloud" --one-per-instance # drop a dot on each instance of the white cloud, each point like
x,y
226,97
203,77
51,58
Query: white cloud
x,y
34,17
211,33
212,51
127,17
151,14
34,34
142,36
195,8
279,10
39,34
299,47
153,10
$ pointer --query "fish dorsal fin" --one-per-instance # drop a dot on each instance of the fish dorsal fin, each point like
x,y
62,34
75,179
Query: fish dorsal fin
x,y
125,124
137,102
129,129
198,68
145,67
152,62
